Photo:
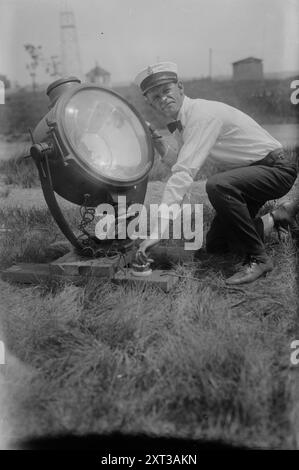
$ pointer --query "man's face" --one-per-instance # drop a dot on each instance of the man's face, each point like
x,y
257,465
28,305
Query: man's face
x,y
167,98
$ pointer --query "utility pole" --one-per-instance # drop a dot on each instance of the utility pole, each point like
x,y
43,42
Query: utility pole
x,y
70,55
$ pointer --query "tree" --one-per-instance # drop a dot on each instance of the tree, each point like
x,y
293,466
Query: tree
x,y
36,56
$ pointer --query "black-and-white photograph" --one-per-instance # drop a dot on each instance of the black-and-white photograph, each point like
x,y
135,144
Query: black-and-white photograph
x,y
149,237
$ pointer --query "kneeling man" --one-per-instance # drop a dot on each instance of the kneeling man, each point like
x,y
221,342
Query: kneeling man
x,y
258,169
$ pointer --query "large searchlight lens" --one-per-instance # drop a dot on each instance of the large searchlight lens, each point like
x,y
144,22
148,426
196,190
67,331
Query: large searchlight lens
x,y
90,148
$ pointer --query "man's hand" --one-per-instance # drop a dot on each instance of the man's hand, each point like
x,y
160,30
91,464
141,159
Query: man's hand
x,y
141,256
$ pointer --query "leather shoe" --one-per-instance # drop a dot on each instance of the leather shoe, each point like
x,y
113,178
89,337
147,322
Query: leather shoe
x,y
251,271
285,215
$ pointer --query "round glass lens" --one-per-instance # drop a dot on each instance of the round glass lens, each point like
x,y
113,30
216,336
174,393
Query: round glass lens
x,y
107,135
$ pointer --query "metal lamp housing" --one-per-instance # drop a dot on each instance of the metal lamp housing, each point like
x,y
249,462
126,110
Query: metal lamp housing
x,y
98,144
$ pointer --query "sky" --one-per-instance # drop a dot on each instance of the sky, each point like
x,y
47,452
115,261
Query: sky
x,y
125,36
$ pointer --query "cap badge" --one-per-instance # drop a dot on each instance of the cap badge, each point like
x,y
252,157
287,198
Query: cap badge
x,y
150,70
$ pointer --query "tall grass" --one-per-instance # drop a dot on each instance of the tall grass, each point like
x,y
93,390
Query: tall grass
x,y
22,110
134,359
28,234
19,172
201,361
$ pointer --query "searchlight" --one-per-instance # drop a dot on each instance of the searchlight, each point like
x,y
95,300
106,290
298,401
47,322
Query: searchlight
x,y
90,148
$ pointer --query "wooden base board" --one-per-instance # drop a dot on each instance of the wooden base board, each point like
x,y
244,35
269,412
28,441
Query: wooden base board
x,y
163,279
73,268
76,265
33,273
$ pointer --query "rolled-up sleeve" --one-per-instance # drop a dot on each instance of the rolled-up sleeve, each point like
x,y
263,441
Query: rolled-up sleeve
x,y
199,137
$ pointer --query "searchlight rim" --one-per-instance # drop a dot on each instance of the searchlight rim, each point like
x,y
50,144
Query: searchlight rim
x,y
59,112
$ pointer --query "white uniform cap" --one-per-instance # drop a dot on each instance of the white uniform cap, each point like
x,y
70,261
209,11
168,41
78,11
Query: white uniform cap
x,y
157,74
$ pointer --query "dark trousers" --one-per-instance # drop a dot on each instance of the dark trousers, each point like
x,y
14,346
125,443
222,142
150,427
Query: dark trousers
x,y
237,195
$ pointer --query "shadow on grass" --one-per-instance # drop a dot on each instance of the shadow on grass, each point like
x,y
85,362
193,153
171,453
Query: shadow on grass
x,y
126,444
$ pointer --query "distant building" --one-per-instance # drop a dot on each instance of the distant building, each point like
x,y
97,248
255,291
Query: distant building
x,y
248,69
5,81
98,76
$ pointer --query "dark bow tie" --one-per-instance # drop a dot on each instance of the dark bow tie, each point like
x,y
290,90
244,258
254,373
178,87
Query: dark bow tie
x,y
172,126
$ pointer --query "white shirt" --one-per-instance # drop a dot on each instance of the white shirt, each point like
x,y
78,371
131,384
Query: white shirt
x,y
218,131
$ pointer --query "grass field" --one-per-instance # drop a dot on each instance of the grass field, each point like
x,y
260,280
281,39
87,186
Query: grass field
x,y
203,361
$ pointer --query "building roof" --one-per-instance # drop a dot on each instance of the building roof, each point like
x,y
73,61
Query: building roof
x,y
98,71
248,60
